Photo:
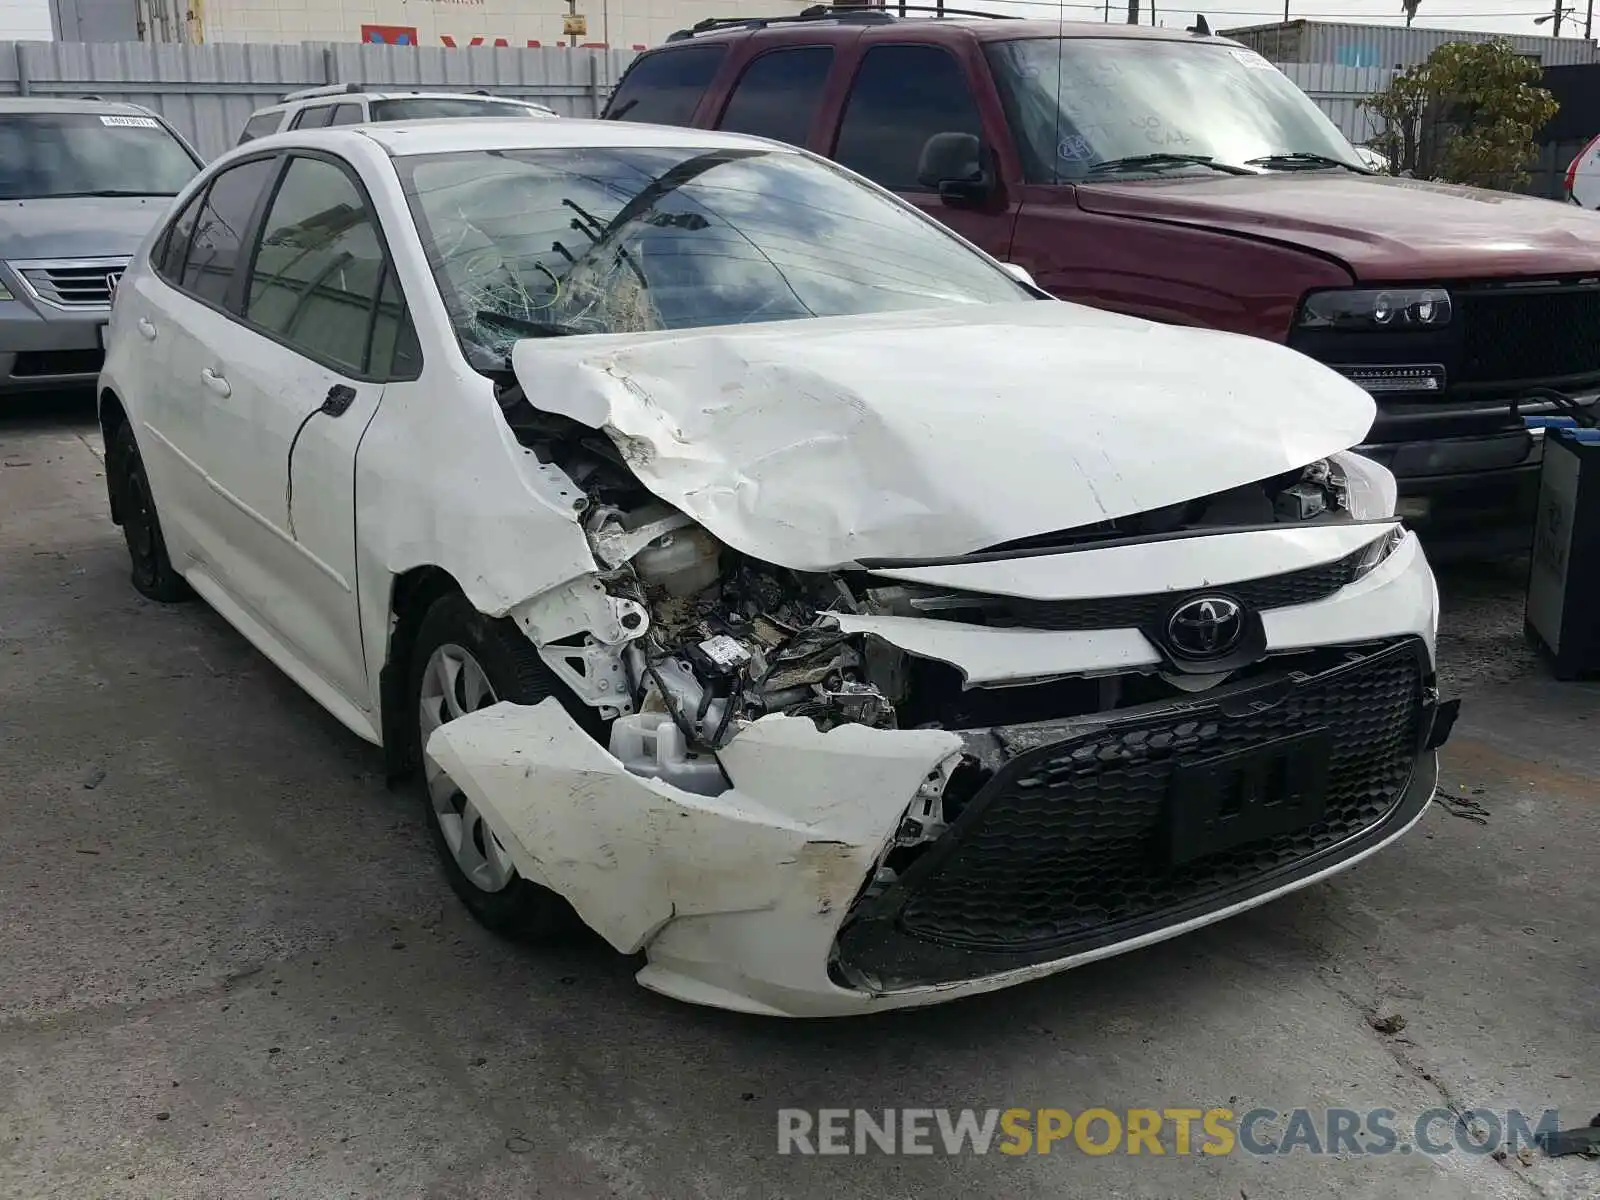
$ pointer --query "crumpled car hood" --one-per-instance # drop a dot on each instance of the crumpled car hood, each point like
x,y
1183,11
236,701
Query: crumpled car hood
x,y
820,443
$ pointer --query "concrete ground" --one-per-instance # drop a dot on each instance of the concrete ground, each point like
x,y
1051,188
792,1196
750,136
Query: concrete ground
x,y
230,967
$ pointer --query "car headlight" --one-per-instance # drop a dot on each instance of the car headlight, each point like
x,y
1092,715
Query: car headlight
x,y
1377,308
1370,492
1375,551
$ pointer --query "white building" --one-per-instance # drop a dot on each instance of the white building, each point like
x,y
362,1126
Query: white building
x,y
618,23
25,21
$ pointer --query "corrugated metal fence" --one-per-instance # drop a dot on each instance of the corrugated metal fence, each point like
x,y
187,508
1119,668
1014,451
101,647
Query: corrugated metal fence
x,y
208,92
1339,91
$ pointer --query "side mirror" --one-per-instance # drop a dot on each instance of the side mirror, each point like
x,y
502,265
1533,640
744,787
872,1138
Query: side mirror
x,y
1020,274
953,165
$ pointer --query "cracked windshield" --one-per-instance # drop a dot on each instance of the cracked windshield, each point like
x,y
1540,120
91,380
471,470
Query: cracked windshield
x,y
545,243
1083,107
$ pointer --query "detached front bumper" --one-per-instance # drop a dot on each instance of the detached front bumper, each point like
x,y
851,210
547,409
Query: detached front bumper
x,y
769,898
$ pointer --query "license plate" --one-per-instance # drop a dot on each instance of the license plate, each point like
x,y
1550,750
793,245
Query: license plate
x,y
1226,801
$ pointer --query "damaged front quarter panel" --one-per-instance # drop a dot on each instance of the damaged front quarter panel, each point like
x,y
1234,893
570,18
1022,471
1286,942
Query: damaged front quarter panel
x,y
754,882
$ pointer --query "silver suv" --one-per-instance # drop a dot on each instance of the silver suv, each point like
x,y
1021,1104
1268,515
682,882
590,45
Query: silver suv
x,y
350,104
81,183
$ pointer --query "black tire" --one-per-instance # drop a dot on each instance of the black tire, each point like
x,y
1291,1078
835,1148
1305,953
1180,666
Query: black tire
x,y
520,909
152,571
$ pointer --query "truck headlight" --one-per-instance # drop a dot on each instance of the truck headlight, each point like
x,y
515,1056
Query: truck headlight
x,y
1377,308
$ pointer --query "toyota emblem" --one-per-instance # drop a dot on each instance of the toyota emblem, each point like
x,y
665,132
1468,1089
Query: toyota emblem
x,y
112,279
1205,627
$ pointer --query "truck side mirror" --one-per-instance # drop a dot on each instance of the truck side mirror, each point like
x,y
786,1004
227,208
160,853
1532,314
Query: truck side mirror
x,y
953,164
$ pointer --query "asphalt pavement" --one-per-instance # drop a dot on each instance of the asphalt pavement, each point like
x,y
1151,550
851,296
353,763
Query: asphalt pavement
x,y
229,965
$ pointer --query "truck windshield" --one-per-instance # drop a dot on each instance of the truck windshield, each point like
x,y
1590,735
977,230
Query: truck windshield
x,y
1075,104
44,155
581,240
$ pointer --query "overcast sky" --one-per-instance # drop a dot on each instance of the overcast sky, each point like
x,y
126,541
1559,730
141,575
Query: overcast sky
x,y
1506,16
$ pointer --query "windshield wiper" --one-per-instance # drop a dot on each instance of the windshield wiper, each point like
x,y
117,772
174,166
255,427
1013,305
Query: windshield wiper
x,y
1154,162
1293,160
523,325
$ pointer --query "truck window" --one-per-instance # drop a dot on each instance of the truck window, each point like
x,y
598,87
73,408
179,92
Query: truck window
x,y
778,94
665,88
902,96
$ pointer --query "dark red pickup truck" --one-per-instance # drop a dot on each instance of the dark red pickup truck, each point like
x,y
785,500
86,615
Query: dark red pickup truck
x,y
1183,178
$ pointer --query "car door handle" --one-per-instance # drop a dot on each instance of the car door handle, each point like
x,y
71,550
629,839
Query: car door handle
x,y
215,382
147,329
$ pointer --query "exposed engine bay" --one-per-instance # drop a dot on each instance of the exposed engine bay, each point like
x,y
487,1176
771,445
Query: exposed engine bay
x,y
709,639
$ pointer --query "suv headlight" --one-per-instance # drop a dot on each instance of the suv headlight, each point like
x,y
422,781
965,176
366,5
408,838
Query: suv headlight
x,y
1377,308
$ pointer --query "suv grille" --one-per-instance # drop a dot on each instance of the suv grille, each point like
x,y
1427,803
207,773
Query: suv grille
x,y
57,362
1132,612
1515,334
85,283
1065,844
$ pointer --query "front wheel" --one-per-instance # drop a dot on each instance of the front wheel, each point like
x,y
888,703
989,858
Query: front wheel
x,y
465,661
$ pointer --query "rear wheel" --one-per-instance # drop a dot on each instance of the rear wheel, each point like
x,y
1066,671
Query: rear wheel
x,y
152,571
464,661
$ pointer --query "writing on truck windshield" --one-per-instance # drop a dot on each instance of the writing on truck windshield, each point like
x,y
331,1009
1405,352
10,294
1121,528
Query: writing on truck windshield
x,y
528,243
1075,103
45,155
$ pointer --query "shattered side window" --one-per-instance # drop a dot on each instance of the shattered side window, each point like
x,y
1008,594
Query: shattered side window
x,y
548,242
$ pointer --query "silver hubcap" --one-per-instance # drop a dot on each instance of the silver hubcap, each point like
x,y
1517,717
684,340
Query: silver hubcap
x,y
454,684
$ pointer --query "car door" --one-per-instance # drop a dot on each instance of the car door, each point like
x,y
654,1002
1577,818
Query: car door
x,y
321,313
185,327
900,97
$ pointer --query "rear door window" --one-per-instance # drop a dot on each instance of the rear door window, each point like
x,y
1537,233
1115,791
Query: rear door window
x,y
665,88
260,126
313,117
778,94
221,227
901,97
347,114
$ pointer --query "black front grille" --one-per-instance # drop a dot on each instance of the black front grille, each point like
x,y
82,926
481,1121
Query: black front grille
x,y
34,363
1131,612
1066,844
1513,334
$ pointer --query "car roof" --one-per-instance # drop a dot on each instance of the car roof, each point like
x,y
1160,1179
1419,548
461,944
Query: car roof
x,y
347,97
401,139
55,104
985,29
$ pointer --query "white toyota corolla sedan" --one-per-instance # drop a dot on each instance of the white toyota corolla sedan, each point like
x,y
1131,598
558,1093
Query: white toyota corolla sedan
x,y
749,568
